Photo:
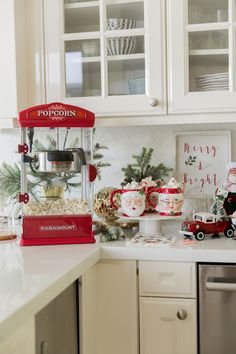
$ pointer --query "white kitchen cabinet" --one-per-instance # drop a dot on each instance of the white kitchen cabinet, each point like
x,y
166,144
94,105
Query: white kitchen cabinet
x,y
109,309
110,69
168,321
21,60
185,47
22,341
201,56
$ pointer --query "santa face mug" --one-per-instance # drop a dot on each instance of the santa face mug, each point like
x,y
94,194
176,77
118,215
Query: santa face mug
x,y
151,188
132,201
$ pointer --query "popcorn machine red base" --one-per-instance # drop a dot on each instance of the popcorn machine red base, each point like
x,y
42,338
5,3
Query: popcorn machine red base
x,y
56,183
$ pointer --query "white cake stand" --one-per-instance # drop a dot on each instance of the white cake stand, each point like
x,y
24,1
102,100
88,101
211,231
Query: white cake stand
x,y
150,224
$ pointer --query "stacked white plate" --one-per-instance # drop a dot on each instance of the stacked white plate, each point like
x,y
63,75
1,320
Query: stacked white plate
x,y
212,82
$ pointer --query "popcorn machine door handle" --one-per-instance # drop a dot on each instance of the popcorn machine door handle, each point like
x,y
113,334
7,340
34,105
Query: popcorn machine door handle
x,y
33,164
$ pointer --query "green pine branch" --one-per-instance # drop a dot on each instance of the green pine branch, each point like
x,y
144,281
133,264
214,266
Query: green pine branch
x,y
142,168
10,179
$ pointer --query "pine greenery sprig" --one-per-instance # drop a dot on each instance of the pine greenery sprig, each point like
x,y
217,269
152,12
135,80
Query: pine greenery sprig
x,y
98,156
142,168
10,179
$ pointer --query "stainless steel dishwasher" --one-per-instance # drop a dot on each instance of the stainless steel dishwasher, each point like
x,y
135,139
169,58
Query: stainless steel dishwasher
x,y
217,308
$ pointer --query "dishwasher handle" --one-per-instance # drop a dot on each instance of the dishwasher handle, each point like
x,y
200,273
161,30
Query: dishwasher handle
x,y
220,286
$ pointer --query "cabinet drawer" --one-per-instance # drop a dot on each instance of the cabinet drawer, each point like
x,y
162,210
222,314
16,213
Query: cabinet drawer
x,y
172,279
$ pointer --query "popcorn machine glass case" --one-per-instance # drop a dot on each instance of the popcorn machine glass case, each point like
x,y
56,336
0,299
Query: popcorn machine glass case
x,y
56,181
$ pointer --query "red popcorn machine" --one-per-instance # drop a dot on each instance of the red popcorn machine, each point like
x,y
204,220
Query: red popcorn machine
x,y
56,177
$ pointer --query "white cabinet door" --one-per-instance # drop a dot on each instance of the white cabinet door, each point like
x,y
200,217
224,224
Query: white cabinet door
x,y
21,341
21,68
109,309
106,56
168,326
201,56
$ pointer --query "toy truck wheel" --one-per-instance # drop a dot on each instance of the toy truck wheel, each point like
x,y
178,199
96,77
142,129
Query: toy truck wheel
x,y
200,235
229,232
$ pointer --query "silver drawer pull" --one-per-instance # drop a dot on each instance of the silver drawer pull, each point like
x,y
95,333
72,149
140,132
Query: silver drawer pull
x,y
215,286
44,348
182,314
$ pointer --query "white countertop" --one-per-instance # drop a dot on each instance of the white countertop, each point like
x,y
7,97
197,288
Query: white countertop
x,y
30,277
220,249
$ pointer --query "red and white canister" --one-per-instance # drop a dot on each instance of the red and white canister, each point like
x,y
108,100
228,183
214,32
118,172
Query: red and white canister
x,y
170,199
231,177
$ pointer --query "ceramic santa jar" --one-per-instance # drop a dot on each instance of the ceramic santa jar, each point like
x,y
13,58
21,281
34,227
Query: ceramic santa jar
x,y
231,177
170,199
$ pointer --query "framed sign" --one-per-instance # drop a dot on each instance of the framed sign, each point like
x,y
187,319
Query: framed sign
x,y
201,159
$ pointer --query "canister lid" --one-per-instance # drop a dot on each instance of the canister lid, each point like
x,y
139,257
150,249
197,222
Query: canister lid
x,y
166,190
230,165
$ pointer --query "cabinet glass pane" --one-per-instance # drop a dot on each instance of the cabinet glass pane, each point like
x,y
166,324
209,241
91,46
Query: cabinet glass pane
x,y
208,61
81,18
202,11
126,77
82,68
208,40
125,16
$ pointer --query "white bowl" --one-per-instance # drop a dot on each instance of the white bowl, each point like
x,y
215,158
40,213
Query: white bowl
x,y
121,45
120,23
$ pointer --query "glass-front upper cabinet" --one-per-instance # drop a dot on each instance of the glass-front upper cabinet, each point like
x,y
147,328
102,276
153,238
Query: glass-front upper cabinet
x,y
201,50
107,56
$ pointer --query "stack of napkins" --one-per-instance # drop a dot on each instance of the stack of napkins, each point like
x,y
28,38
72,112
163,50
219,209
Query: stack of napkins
x,y
151,241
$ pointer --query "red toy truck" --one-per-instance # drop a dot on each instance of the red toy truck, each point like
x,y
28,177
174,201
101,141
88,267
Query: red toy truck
x,y
206,223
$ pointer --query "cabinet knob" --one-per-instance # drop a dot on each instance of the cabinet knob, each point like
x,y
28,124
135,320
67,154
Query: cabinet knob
x,y
182,314
153,102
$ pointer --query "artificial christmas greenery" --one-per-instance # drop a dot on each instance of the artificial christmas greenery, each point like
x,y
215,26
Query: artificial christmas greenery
x,y
142,168
217,207
10,174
